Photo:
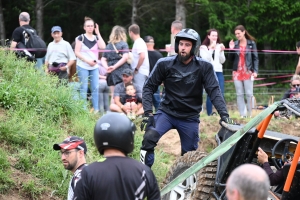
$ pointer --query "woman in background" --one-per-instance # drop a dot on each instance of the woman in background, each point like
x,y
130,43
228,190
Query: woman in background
x,y
245,68
115,59
213,50
86,49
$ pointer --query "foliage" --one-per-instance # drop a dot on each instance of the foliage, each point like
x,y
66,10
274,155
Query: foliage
x,y
5,181
39,113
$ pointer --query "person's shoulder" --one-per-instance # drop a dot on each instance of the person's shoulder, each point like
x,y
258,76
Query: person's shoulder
x,y
65,42
158,53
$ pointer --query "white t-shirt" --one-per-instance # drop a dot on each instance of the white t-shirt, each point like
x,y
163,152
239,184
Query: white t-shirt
x,y
60,52
140,46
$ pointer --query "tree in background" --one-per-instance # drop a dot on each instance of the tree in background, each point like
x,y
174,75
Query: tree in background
x,y
2,26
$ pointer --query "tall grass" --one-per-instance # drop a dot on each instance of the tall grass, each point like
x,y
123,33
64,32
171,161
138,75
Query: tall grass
x,y
38,113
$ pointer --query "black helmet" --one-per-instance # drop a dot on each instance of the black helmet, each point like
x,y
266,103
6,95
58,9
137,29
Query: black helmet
x,y
114,130
191,35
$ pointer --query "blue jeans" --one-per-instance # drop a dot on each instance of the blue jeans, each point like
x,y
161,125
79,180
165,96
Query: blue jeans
x,y
103,96
221,84
188,130
84,76
139,79
39,64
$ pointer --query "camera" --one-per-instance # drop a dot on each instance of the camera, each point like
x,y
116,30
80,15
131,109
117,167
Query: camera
x,y
55,64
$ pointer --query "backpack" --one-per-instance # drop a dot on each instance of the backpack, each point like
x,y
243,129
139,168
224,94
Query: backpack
x,y
34,42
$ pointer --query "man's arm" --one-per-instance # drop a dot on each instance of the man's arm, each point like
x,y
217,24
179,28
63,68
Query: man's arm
x,y
150,87
13,44
154,193
298,67
81,191
275,178
141,60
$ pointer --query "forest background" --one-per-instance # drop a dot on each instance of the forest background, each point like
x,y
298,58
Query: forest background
x,y
274,23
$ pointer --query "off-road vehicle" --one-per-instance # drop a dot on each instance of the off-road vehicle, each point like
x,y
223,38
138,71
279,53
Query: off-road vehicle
x,y
197,175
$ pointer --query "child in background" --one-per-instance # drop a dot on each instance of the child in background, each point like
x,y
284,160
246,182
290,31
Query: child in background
x,y
131,101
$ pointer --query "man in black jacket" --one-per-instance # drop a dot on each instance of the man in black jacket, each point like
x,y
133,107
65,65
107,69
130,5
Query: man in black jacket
x,y
184,77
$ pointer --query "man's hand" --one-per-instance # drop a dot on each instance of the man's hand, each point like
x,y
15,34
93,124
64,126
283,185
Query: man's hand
x,y
262,157
148,120
227,120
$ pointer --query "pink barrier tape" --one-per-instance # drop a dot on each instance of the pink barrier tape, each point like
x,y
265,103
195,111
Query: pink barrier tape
x,y
264,84
165,50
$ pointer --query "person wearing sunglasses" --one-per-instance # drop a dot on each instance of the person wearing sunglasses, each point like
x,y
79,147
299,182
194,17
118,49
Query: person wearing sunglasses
x,y
72,150
291,93
295,83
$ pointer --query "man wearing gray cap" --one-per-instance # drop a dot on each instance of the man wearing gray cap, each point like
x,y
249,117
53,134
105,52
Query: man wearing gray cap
x,y
120,94
60,55
73,150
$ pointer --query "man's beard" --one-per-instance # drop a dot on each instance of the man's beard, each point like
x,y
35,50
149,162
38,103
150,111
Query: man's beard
x,y
184,58
71,165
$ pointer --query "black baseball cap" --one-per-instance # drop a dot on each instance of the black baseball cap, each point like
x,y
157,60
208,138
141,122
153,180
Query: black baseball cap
x,y
71,142
149,39
127,72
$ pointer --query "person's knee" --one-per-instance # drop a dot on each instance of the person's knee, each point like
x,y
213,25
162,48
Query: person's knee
x,y
150,140
114,108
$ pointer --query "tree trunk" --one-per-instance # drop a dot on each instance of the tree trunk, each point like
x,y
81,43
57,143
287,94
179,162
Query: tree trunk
x,y
180,12
39,18
2,26
134,11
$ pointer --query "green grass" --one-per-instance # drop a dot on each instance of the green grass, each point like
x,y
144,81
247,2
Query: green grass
x,y
38,113
5,181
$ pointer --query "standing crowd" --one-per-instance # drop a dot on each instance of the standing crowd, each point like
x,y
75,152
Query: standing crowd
x,y
134,79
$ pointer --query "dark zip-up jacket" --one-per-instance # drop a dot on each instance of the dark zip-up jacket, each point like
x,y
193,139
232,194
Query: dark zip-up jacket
x,y
183,87
251,57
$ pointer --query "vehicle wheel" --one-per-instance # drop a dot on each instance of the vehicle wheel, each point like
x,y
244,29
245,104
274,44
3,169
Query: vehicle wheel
x,y
184,190
206,182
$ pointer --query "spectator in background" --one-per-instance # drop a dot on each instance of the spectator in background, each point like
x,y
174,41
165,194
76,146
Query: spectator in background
x,y
114,59
297,72
119,104
247,182
176,26
86,50
243,53
131,100
213,50
140,62
103,90
295,86
295,83
73,150
60,55
154,56
18,38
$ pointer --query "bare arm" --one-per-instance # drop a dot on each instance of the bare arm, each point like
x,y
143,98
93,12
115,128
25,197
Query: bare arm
x,y
13,44
100,42
298,67
141,60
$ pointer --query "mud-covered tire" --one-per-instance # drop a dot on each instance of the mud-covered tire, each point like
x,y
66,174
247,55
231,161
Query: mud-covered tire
x,y
180,165
205,182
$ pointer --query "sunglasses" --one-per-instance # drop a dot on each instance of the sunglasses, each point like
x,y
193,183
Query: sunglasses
x,y
296,85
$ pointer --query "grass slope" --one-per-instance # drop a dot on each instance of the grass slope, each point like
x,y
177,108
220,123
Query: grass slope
x,y
35,113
